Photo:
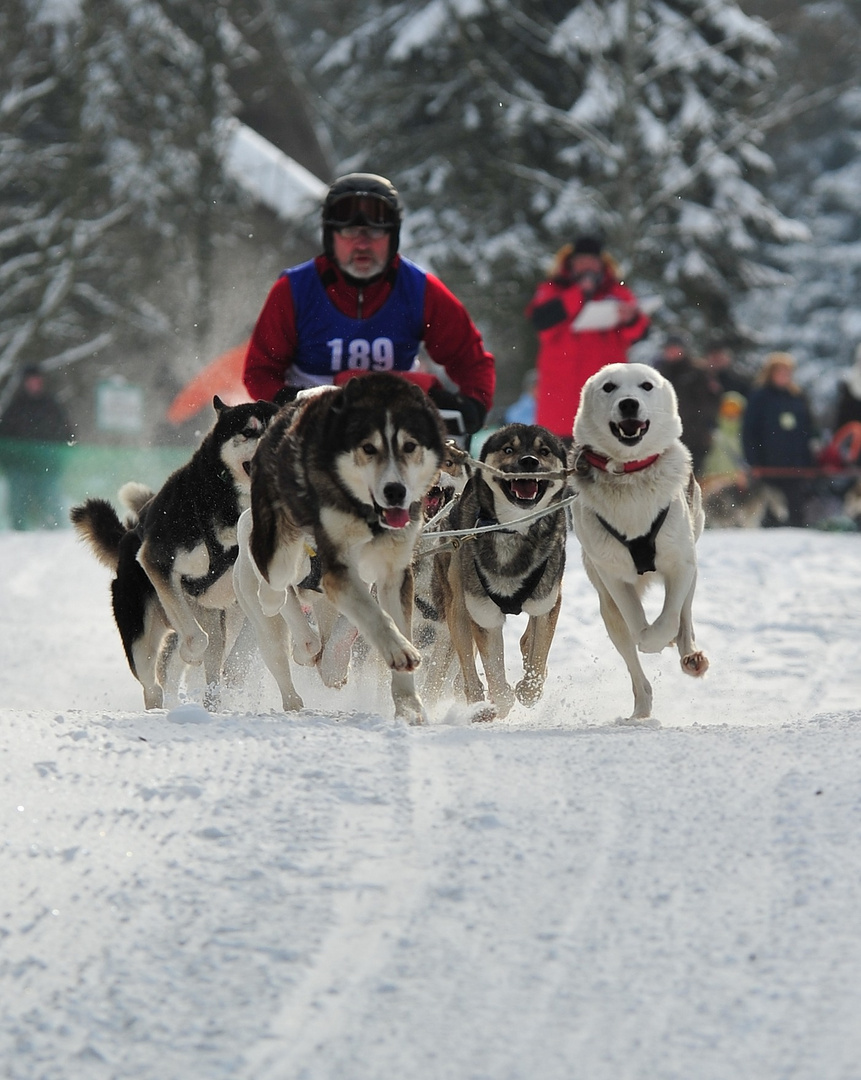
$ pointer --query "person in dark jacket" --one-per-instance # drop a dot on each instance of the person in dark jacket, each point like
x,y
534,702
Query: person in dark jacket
x,y
699,396
849,395
777,434
719,363
361,306
31,427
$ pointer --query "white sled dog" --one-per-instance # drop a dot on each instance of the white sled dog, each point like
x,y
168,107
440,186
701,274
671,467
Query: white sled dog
x,y
638,515
340,474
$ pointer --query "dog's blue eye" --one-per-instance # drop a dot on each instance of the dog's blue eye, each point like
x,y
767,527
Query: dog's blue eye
x,y
647,386
609,387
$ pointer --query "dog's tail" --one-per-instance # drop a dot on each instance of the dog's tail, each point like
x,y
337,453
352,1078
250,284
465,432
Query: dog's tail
x,y
97,523
134,496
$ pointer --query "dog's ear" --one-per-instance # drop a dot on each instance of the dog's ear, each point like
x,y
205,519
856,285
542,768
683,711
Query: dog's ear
x,y
350,390
218,405
455,452
345,394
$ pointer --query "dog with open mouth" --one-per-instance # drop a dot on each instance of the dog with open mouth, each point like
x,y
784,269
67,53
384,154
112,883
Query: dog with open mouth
x,y
454,471
515,566
429,624
638,515
340,477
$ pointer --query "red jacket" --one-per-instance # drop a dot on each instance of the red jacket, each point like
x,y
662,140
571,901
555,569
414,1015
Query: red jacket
x,y
567,358
450,336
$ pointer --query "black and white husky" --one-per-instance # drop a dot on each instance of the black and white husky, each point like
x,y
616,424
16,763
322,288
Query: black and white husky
x,y
638,515
173,558
341,474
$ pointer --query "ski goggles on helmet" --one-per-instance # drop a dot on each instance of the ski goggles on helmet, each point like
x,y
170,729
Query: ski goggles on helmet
x,y
368,210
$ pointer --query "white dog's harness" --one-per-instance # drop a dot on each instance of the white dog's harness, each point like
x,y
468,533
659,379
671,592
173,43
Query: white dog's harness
x,y
642,548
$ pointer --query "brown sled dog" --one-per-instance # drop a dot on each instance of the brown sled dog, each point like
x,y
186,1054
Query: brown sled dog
x,y
516,567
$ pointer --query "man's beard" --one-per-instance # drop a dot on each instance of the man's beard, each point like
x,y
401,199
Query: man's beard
x,y
366,272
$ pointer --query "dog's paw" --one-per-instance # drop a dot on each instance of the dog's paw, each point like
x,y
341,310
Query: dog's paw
x,y
153,697
529,690
655,638
192,647
334,661
503,701
400,655
409,707
291,702
484,713
212,697
306,650
696,664
639,721
271,600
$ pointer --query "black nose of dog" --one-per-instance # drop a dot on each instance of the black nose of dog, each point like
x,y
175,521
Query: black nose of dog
x,y
529,463
629,407
395,494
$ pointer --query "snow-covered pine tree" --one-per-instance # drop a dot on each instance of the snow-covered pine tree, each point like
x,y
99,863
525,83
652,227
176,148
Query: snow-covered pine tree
x,y
815,140
111,189
511,125
157,103
54,209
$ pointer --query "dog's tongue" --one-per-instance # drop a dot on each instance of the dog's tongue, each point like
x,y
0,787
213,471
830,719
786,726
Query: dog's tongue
x,y
631,428
395,517
525,489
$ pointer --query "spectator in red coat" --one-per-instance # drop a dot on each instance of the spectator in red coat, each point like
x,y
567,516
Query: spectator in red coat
x,y
584,319
360,306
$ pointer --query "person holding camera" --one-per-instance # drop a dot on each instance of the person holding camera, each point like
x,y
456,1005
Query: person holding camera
x,y
584,318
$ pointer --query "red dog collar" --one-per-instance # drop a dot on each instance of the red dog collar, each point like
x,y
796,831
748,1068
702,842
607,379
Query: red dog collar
x,y
602,463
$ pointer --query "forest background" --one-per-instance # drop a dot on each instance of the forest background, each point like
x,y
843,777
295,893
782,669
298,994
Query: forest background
x,y
716,145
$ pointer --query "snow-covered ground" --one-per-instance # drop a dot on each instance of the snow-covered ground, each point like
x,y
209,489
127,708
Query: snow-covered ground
x,y
335,896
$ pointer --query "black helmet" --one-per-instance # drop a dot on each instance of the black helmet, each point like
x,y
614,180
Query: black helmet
x,y
362,199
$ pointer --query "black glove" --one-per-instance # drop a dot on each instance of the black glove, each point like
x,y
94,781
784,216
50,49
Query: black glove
x,y
472,411
286,394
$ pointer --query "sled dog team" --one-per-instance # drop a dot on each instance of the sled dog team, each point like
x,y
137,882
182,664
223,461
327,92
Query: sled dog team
x,y
346,512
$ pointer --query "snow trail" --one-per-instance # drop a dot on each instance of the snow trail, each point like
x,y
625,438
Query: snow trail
x,y
331,894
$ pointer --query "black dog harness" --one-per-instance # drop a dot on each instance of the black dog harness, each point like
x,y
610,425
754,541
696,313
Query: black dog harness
x,y
220,561
642,548
508,605
512,605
